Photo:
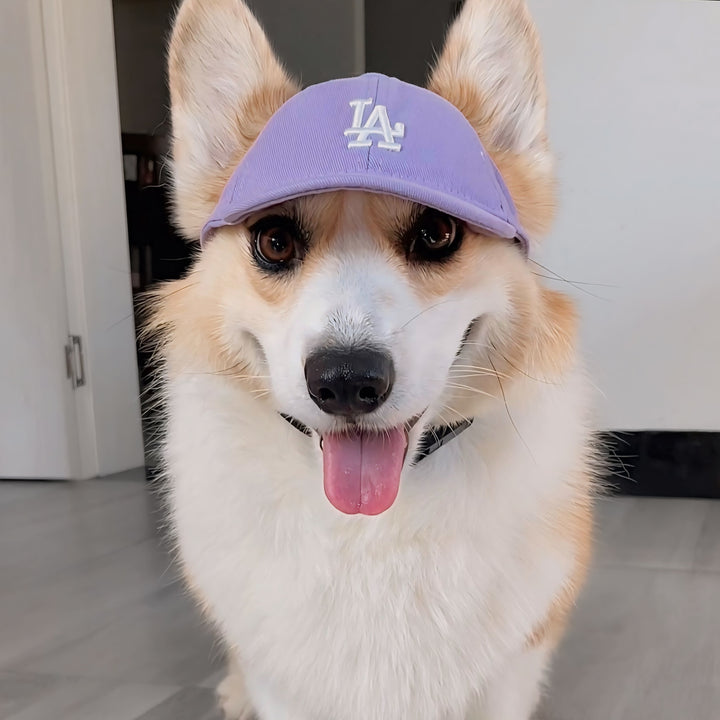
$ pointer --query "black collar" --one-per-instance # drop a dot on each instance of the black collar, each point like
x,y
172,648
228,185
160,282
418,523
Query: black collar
x,y
430,441
435,438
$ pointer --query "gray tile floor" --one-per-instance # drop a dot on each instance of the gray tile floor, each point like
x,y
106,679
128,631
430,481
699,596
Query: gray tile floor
x,y
95,626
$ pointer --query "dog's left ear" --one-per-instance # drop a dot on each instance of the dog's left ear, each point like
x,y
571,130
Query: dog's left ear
x,y
491,70
225,84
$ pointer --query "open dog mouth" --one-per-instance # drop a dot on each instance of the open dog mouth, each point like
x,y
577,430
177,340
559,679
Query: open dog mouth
x,y
362,467
361,470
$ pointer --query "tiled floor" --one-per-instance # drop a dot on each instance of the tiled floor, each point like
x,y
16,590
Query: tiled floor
x,y
94,625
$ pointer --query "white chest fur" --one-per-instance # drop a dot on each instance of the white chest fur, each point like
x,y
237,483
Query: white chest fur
x,y
405,615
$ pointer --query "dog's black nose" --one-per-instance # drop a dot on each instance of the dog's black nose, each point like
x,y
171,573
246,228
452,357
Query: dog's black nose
x,y
349,381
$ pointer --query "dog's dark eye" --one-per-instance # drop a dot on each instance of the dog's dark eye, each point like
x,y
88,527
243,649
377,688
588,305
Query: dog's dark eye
x,y
276,243
433,236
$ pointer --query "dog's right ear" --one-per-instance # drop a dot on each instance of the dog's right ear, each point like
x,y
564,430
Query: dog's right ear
x,y
225,83
491,70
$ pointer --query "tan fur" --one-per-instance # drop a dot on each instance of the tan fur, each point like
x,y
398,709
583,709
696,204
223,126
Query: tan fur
x,y
319,215
573,524
391,217
201,601
214,123
187,316
533,189
553,347
479,72
536,342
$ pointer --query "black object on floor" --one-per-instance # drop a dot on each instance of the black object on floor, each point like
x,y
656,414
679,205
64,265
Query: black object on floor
x,y
664,464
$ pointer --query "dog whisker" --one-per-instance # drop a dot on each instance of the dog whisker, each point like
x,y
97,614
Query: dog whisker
x,y
510,417
458,386
574,282
259,393
451,409
492,347
422,312
444,419
479,370
520,370
470,376
576,285
472,367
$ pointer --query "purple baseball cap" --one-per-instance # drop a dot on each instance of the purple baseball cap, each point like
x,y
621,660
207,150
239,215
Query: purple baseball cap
x,y
372,133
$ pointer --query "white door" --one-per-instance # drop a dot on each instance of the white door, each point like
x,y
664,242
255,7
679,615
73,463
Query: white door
x,y
38,436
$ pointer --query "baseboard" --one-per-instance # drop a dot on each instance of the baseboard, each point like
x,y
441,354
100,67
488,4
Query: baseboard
x,y
664,464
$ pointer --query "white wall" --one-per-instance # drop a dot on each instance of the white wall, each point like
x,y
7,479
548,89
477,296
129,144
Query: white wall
x,y
634,91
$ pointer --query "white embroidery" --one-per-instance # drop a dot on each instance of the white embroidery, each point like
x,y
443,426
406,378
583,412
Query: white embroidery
x,y
378,123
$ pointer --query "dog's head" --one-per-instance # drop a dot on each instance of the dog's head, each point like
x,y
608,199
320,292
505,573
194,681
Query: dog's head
x,y
365,317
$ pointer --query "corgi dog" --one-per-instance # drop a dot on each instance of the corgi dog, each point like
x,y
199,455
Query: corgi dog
x,y
380,469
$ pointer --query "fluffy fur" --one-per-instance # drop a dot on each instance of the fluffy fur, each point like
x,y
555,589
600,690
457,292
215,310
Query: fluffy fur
x,y
448,605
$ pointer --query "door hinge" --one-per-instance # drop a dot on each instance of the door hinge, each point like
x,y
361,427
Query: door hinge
x,y
74,361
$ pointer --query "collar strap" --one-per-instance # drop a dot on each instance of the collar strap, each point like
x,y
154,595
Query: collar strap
x,y
430,441
304,429
435,438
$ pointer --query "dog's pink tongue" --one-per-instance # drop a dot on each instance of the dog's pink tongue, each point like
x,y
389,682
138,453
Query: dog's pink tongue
x,y
362,471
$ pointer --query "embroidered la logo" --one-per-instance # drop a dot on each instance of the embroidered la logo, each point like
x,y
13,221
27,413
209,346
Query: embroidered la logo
x,y
378,123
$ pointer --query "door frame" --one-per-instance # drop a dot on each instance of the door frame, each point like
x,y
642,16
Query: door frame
x,y
85,123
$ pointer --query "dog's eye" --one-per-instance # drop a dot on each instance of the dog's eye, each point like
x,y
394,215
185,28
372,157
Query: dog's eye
x,y
433,236
276,243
